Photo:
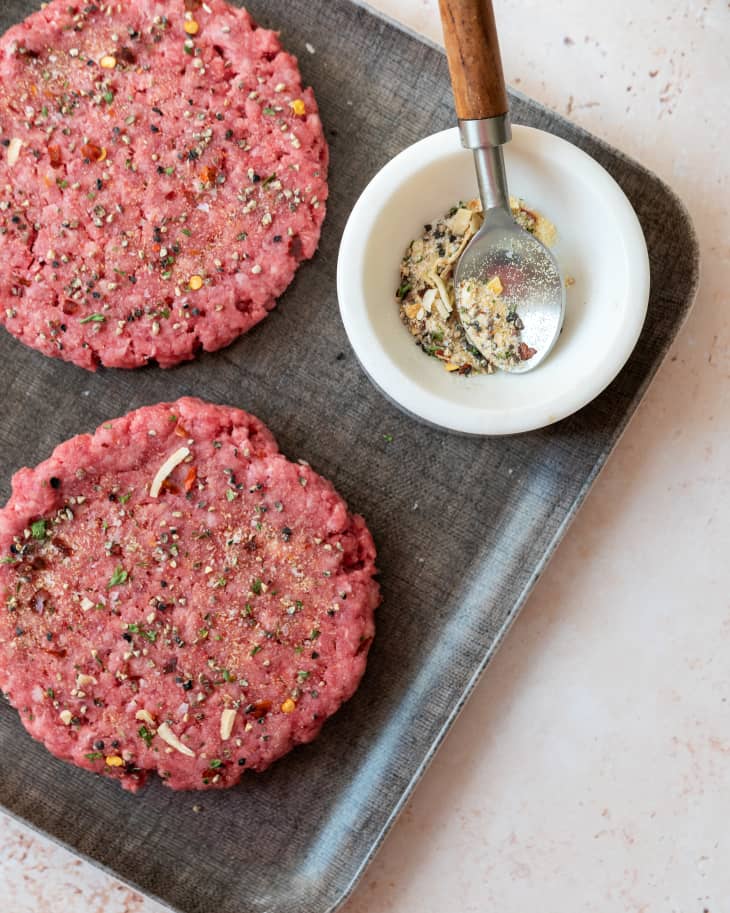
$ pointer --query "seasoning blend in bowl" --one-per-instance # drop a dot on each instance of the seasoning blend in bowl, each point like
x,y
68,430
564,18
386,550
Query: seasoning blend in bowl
x,y
426,293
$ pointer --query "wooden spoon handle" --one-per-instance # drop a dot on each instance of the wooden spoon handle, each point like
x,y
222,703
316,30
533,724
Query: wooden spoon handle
x,y
475,63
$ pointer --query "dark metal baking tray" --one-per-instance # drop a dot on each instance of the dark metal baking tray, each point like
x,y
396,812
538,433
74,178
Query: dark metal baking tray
x,y
464,526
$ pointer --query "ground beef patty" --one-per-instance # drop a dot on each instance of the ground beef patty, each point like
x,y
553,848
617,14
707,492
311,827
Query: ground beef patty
x,y
175,595
162,175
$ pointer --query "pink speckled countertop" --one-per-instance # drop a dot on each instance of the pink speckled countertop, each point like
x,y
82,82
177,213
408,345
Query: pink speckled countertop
x,y
590,771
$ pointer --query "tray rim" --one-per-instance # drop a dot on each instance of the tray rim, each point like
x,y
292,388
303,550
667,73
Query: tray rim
x,y
550,550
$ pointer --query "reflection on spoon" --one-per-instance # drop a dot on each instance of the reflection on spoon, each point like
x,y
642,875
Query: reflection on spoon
x,y
506,275
492,324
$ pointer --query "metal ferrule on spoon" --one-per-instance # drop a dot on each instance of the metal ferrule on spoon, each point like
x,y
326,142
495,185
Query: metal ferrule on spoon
x,y
486,138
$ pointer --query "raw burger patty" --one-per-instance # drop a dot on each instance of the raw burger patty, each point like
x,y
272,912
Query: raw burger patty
x,y
198,633
162,175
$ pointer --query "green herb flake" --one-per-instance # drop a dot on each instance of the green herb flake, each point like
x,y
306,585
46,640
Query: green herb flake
x,y
314,634
257,649
93,318
203,634
124,498
403,290
388,438
119,577
216,763
146,736
302,675
108,96
38,529
133,628
257,586
231,495
150,635
270,112
94,756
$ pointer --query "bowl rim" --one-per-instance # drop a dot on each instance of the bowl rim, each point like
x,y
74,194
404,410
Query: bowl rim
x,y
387,375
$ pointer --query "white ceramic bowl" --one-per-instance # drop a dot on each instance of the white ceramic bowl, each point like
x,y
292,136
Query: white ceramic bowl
x,y
600,244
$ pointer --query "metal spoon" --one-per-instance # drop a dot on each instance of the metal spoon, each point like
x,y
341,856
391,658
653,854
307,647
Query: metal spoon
x,y
530,309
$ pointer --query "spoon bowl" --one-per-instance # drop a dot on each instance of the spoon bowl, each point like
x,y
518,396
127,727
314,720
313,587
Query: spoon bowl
x,y
532,289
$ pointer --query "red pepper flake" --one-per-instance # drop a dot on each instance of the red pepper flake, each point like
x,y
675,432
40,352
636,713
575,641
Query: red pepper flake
x,y
60,652
93,153
190,478
167,485
127,55
54,154
192,6
525,352
181,431
259,709
208,174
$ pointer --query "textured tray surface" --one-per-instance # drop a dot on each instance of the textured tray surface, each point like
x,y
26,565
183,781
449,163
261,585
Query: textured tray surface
x,y
463,527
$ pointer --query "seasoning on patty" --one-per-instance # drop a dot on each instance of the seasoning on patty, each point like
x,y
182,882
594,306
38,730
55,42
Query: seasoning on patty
x,y
163,173
177,596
